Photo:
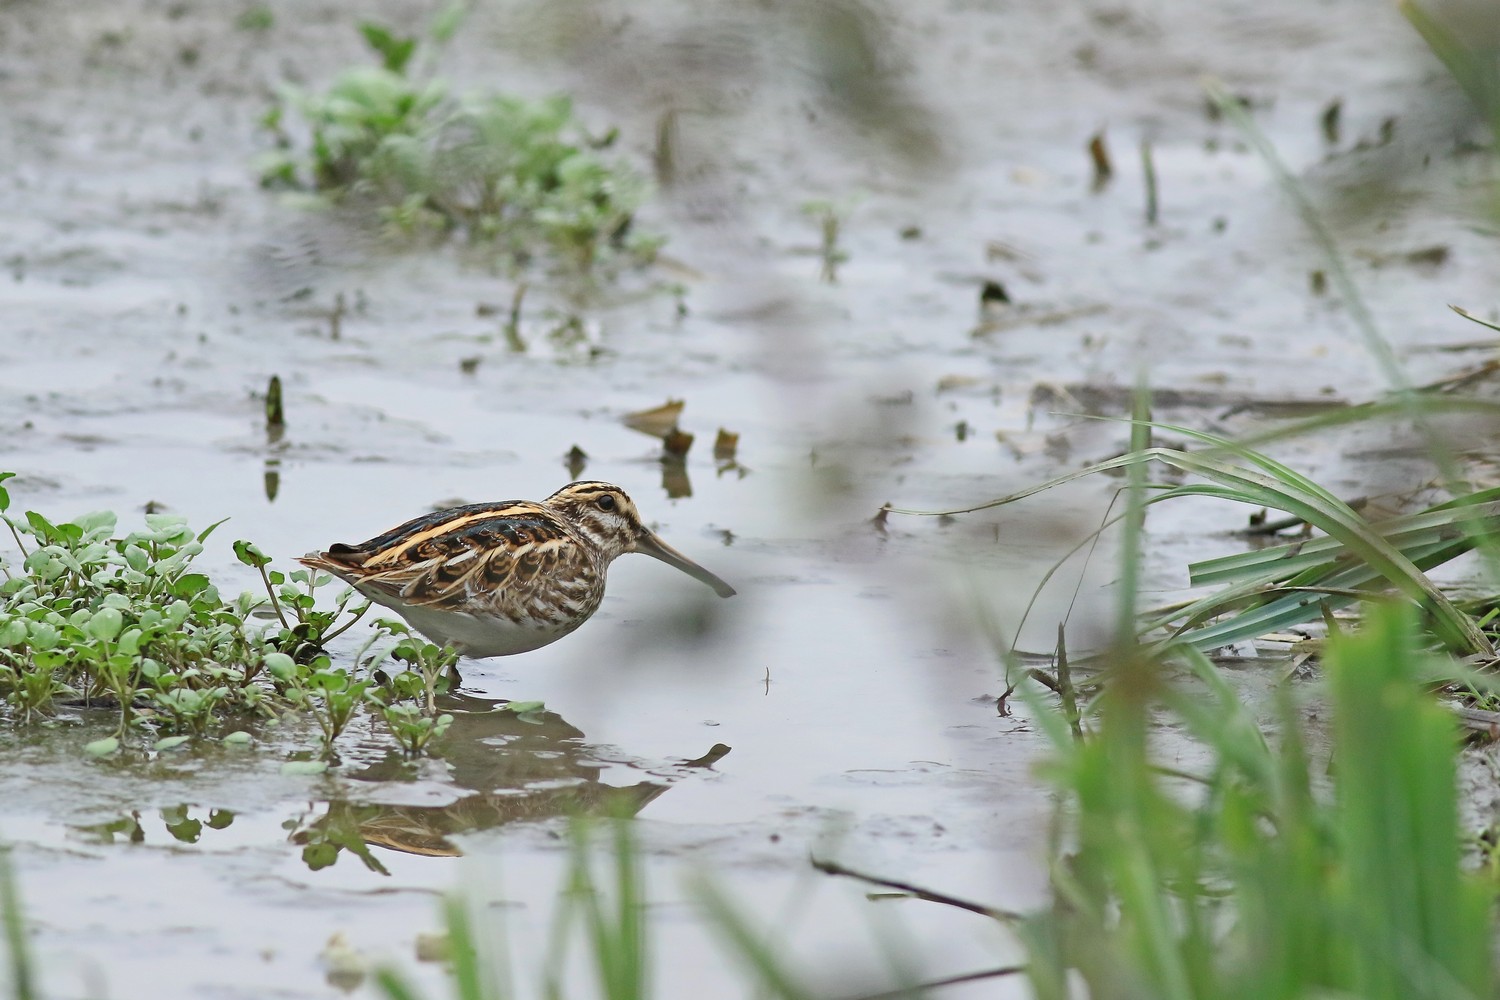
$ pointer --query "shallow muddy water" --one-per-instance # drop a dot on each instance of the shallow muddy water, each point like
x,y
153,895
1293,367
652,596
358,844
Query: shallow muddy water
x,y
154,288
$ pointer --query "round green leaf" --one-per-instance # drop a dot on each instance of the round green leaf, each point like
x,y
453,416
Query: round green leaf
x,y
106,624
304,767
12,633
102,748
43,635
281,666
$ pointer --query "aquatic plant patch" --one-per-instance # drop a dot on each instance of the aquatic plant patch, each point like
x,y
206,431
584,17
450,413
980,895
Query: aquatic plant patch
x,y
93,618
522,177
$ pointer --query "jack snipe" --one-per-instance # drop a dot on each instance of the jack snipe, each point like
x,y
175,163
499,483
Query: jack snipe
x,y
491,579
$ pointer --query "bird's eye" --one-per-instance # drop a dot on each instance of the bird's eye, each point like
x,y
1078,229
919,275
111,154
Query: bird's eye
x,y
605,502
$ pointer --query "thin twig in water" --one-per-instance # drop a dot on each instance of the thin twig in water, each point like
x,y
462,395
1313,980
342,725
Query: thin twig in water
x,y
1283,523
967,977
834,868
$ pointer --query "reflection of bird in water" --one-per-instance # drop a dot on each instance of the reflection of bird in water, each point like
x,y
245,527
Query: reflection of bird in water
x,y
506,768
424,830
492,579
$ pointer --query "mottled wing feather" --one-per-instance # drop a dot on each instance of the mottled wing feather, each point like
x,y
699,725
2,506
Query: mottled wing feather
x,y
505,559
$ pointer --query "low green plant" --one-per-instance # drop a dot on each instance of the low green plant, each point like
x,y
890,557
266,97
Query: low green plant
x,y
427,669
305,629
409,705
413,729
126,623
120,620
522,177
331,695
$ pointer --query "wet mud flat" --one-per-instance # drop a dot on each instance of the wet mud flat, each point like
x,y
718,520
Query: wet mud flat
x,y
995,289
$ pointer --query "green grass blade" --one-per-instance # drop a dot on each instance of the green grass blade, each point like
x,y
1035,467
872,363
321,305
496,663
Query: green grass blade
x,y
394,986
1421,929
23,986
1476,70
769,969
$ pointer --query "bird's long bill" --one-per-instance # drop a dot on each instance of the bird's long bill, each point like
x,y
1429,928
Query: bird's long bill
x,y
658,549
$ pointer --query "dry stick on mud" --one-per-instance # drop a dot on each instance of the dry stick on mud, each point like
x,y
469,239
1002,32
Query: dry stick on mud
x,y
1282,524
834,868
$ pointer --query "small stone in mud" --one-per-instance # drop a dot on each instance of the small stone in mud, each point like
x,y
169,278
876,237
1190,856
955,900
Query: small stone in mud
x,y
725,445
1433,256
1429,256
676,443
576,459
433,947
1099,157
992,293
958,383
275,414
1331,120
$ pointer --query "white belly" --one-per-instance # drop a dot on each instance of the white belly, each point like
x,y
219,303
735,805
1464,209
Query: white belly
x,y
482,637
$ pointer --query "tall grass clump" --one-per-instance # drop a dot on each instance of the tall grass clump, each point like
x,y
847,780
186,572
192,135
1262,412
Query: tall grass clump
x,y
1256,882
522,178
